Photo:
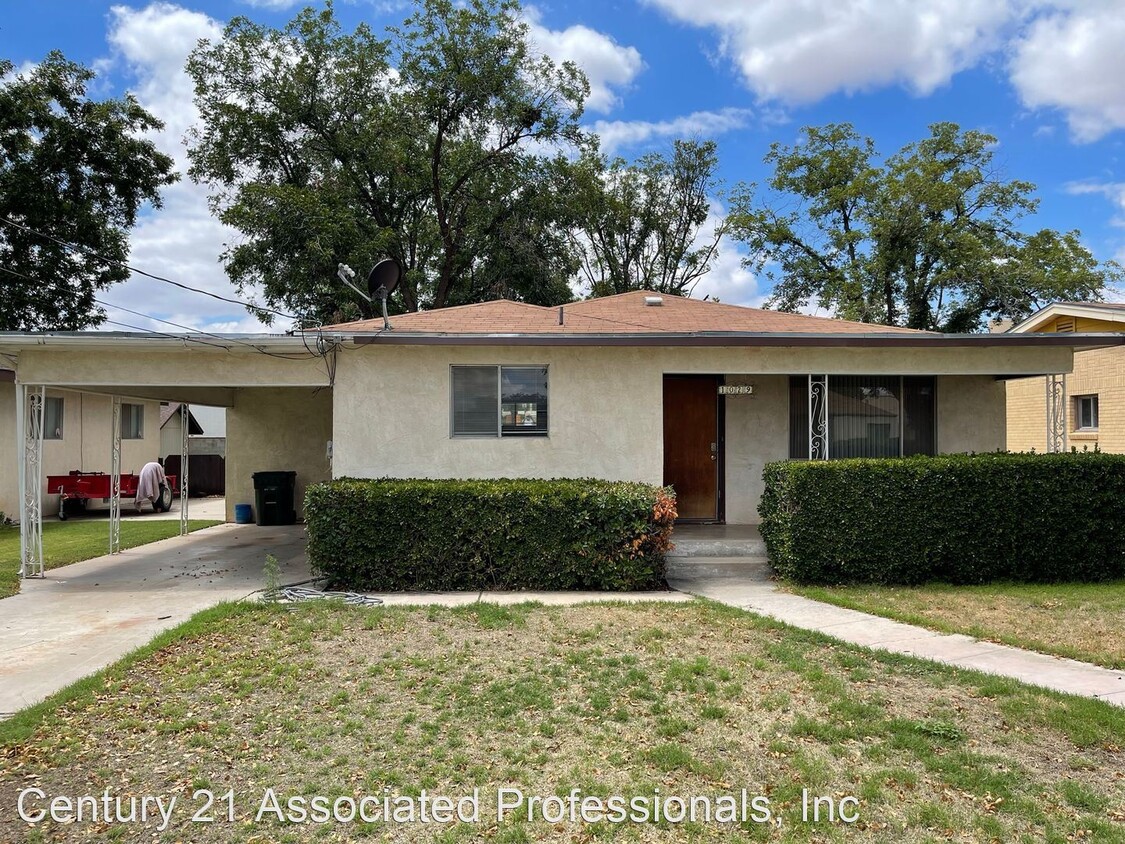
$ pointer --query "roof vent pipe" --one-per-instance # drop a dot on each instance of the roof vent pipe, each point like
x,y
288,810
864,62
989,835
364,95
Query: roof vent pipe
x,y
654,301
560,314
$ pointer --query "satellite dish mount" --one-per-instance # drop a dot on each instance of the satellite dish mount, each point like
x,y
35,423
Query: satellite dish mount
x,y
381,282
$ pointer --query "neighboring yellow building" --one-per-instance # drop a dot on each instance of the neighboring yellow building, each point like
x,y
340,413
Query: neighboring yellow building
x,y
1095,390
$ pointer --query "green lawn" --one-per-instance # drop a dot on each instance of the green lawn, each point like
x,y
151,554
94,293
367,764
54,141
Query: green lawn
x,y
71,541
1077,620
636,701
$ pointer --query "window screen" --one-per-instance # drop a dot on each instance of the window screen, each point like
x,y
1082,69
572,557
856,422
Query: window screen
x,y
53,419
1087,412
475,401
132,421
868,416
863,416
918,424
523,400
799,417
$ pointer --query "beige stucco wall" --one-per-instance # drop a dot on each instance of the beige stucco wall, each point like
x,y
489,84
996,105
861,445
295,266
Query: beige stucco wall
x,y
757,433
277,429
1099,372
85,445
178,369
392,409
9,468
971,414
392,416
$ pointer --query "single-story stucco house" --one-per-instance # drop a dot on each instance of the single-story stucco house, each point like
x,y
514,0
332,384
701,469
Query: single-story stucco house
x,y
644,387
1089,401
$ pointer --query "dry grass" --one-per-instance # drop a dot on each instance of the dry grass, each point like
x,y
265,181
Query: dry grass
x,y
1078,620
689,699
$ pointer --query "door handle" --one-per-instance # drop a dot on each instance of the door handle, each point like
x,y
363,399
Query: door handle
x,y
714,451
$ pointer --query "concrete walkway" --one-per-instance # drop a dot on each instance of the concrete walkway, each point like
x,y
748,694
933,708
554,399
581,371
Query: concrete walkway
x,y
80,618
211,507
745,583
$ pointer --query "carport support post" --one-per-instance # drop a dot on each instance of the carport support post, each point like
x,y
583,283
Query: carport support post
x,y
185,414
30,405
1056,413
115,478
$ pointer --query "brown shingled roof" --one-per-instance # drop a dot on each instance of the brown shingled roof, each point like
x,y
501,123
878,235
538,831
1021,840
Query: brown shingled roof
x,y
625,313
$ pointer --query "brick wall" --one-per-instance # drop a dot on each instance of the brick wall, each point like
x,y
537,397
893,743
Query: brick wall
x,y
1099,372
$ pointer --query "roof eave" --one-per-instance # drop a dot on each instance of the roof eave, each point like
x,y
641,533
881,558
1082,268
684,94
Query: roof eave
x,y
249,343
716,339
1075,309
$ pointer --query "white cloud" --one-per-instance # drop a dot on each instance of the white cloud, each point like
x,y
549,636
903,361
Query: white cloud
x,y
607,64
728,281
802,50
154,43
1073,60
182,240
1113,191
616,134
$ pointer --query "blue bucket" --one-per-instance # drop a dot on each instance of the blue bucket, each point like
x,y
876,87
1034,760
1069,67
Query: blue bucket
x,y
243,515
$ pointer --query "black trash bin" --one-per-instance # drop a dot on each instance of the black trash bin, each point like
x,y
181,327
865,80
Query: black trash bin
x,y
273,493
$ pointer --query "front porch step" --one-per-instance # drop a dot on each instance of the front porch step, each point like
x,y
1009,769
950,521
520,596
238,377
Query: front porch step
x,y
717,547
687,568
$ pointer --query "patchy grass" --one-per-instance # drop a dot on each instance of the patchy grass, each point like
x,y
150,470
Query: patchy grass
x,y
1077,620
71,541
688,699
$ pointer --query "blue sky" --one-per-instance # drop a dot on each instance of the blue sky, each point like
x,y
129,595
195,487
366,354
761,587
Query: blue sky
x,y
1044,77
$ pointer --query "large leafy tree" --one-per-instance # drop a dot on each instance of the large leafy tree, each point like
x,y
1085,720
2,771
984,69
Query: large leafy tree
x,y
430,145
638,225
930,238
73,170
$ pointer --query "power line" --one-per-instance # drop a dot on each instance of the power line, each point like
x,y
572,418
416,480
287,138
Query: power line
x,y
187,338
219,337
79,248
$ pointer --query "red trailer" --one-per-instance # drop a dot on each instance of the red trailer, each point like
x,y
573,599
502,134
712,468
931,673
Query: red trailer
x,y
80,487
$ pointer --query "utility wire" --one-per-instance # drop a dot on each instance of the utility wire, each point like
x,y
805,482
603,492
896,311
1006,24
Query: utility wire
x,y
75,247
187,338
218,337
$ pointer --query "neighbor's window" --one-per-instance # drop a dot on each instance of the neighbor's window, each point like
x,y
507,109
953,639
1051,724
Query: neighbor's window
x,y
499,401
1086,411
132,421
53,419
868,416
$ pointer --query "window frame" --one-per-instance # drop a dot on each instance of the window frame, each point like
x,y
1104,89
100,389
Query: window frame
x,y
139,418
48,435
500,434
1090,400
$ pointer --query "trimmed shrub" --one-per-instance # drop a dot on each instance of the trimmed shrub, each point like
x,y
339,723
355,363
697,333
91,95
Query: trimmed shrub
x,y
394,535
960,518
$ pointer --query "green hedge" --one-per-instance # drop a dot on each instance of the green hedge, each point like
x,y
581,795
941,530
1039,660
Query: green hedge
x,y
394,535
956,518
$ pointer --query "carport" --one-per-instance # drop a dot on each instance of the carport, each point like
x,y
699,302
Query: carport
x,y
277,391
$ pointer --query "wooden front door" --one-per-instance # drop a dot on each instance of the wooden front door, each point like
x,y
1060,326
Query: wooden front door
x,y
692,445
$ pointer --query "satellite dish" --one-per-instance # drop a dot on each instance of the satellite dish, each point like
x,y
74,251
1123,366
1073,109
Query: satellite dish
x,y
383,278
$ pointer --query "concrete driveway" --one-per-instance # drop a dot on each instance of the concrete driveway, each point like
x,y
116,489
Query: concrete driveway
x,y
80,618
